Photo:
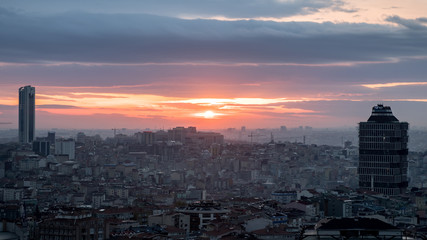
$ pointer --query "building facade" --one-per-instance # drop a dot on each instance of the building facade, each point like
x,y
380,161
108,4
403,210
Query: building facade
x,y
284,196
66,147
41,147
27,96
383,153
202,213
76,226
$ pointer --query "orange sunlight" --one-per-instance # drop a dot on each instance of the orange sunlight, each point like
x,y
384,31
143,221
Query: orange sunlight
x,y
203,112
395,84
208,114
350,11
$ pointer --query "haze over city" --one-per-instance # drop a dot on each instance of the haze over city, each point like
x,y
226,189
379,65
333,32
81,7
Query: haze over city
x,y
213,119
213,64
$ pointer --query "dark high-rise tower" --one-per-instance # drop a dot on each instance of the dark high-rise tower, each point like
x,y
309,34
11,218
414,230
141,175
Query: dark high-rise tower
x,y
383,152
27,107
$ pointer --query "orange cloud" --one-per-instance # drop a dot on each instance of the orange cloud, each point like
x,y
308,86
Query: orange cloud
x,y
9,101
143,105
395,84
406,100
238,101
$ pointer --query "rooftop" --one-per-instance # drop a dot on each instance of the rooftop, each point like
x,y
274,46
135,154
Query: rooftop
x,y
354,223
382,114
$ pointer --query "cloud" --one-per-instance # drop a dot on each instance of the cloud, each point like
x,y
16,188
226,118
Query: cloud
x,y
414,24
393,84
56,106
6,13
140,38
7,107
235,101
173,8
340,6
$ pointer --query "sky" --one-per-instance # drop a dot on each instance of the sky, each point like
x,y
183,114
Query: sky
x,y
213,63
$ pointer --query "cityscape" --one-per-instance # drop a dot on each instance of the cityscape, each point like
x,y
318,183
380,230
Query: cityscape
x,y
162,119
183,183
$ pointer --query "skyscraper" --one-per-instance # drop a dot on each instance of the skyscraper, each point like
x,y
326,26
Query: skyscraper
x,y
27,121
383,152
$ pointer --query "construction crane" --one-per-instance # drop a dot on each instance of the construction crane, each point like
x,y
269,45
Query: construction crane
x,y
254,135
115,130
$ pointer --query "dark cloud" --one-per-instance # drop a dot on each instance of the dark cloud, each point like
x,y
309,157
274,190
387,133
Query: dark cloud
x,y
195,8
7,107
139,38
416,24
340,6
350,10
5,12
225,81
51,106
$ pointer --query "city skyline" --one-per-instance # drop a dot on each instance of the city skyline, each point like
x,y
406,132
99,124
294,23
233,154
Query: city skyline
x,y
213,64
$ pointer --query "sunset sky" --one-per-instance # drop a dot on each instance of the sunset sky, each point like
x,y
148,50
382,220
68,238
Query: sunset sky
x,y
213,63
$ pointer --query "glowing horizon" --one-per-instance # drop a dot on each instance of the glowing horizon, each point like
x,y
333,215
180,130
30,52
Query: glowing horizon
x,y
255,63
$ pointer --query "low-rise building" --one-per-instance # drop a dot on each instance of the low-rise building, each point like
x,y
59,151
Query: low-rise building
x,y
201,213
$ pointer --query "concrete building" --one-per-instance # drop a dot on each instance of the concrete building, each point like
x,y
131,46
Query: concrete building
x,y
178,220
354,228
29,163
12,194
383,153
145,138
202,213
41,147
284,196
74,226
179,134
27,96
51,137
97,199
67,147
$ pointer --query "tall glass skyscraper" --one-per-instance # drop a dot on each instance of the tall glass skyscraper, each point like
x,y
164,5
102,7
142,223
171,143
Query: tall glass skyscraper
x,y
27,105
383,152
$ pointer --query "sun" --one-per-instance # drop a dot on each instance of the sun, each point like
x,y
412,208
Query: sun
x,y
209,114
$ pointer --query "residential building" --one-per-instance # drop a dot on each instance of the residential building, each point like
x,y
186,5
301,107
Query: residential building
x,y
284,196
354,228
201,213
66,147
77,225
